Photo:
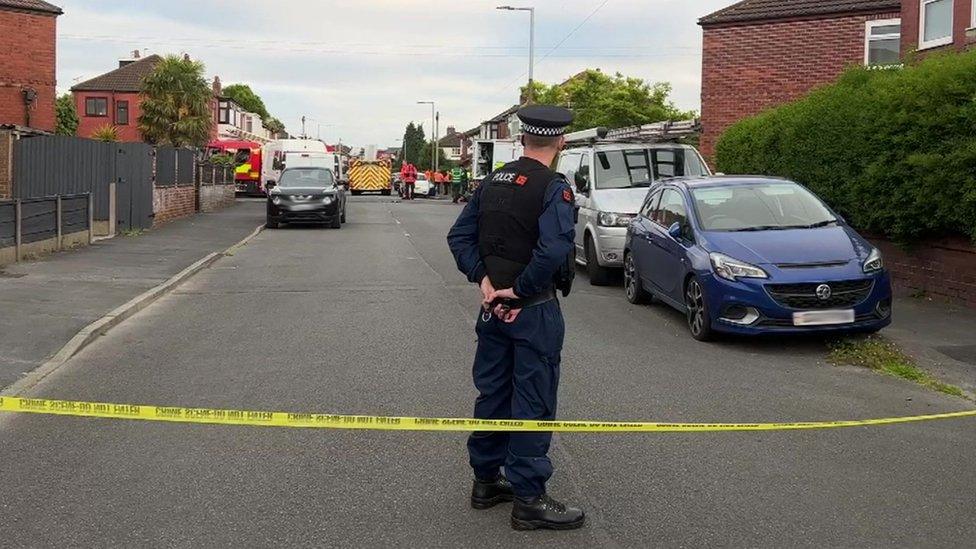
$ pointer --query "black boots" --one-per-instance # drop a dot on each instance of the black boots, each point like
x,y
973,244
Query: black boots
x,y
485,494
545,512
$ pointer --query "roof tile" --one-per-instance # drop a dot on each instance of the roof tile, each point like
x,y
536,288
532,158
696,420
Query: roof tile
x,y
758,10
31,5
123,79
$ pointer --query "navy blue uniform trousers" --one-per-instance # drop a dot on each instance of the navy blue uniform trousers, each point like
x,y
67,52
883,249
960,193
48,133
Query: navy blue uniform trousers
x,y
516,371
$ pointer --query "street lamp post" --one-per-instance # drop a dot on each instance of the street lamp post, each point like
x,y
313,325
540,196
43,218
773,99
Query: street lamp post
x,y
433,131
531,11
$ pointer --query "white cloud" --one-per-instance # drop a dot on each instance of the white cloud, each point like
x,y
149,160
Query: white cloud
x,y
362,65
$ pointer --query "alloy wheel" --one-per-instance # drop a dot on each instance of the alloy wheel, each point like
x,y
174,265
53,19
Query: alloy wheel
x,y
695,303
630,277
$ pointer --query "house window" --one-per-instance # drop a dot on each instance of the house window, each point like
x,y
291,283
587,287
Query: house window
x,y
223,112
122,113
936,24
882,42
96,106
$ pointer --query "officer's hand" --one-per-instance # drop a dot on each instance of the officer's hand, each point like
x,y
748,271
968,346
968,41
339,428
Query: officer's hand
x,y
507,316
507,293
487,291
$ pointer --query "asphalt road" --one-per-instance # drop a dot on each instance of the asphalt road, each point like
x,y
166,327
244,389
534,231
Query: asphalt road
x,y
374,319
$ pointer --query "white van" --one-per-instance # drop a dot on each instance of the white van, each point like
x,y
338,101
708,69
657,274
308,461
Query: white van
x,y
295,153
611,181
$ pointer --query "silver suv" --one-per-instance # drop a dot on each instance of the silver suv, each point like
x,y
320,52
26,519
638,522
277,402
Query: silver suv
x,y
611,181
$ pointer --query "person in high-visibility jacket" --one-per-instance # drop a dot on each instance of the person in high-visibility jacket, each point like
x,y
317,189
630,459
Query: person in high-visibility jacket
x,y
457,182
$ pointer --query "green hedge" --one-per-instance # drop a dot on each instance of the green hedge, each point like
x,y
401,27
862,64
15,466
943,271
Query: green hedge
x,y
894,151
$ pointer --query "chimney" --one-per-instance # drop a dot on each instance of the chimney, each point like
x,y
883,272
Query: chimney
x,y
451,130
135,57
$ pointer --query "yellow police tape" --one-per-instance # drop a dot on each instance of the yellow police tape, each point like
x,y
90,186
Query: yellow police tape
x,y
385,423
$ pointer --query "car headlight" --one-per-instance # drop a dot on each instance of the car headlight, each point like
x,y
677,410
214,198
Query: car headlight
x,y
874,262
610,219
732,269
328,200
276,200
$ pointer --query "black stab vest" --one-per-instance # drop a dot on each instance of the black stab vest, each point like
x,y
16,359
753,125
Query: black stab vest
x,y
512,200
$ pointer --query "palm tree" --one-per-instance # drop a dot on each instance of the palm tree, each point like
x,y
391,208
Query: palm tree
x,y
176,104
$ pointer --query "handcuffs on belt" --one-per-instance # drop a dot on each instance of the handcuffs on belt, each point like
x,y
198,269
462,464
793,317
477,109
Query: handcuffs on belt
x,y
507,304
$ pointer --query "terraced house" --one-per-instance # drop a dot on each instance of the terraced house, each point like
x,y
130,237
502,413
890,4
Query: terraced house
x,y
761,53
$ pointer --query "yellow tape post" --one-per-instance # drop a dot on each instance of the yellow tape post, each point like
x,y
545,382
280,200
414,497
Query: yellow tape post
x,y
256,418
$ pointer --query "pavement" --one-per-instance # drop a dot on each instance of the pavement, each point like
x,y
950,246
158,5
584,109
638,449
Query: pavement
x,y
46,302
941,336
375,319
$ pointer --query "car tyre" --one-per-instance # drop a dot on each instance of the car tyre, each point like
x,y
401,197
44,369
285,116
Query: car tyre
x,y
269,224
633,287
599,276
696,311
385,192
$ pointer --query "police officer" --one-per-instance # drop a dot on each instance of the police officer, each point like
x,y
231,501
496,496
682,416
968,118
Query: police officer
x,y
515,239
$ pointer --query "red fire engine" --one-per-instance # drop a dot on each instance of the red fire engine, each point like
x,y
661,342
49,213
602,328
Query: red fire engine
x,y
247,163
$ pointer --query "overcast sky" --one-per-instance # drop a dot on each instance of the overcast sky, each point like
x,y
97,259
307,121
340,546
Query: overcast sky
x,y
359,67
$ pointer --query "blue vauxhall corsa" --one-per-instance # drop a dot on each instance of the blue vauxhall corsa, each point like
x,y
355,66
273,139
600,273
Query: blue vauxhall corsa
x,y
752,255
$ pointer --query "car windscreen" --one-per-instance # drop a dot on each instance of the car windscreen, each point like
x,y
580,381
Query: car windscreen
x,y
305,178
759,207
621,169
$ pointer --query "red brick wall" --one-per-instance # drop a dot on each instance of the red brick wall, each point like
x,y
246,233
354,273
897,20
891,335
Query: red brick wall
x,y
27,59
749,68
216,197
962,20
944,268
88,124
171,203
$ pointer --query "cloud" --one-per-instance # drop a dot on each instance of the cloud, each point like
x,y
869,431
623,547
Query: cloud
x,y
362,65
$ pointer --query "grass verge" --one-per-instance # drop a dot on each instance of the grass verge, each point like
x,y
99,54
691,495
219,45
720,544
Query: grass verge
x,y
876,353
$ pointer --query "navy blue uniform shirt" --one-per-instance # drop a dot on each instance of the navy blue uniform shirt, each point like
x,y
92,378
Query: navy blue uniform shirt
x,y
556,234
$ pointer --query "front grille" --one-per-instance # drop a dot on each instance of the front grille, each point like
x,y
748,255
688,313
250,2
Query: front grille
x,y
843,294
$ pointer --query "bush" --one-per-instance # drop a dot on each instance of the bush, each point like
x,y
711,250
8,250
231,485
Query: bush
x,y
894,151
107,132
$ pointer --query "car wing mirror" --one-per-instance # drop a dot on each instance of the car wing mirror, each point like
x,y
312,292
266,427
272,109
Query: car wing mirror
x,y
675,230
582,185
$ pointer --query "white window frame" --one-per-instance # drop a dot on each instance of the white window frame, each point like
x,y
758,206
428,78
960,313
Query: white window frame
x,y
868,36
922,44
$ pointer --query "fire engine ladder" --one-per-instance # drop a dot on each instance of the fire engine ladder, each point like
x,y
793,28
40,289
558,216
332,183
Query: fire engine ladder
x,y
657,132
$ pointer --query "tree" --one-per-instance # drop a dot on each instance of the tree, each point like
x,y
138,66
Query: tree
x,y
615,101
176,104
243,95
274,126
415,145
67,115
107,132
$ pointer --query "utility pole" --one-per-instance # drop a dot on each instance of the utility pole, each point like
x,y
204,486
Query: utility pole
x,y
530,96
433,122
437,148
304,135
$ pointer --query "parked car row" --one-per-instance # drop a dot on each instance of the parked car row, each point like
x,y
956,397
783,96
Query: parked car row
x,y
743,255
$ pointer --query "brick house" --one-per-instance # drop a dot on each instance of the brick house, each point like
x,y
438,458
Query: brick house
x,y
28,42
759,54
113,98
937,24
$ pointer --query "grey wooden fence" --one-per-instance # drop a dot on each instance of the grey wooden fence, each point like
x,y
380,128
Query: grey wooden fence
x,y
24,221
52,165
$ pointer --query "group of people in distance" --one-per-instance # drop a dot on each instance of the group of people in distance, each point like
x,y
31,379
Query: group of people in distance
x,y
454,181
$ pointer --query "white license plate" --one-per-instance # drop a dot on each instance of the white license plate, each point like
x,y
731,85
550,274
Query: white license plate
x,y
823,318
